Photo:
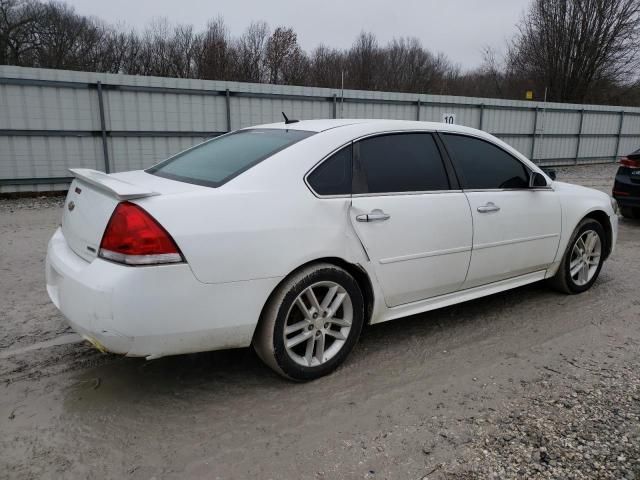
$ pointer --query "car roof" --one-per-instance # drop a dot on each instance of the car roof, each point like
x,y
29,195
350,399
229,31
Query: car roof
x,y
322,125
358,127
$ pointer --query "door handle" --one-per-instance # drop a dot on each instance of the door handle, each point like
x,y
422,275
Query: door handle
x,y
376,215
488,208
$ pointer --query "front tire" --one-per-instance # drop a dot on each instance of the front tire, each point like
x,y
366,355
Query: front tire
x,y
311,322
583,259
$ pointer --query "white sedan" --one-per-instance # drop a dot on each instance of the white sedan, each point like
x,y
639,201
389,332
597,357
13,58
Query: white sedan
x,y
291,236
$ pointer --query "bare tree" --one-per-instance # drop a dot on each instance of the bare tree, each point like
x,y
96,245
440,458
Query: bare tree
x,y
295,70
570,46
216,56
493,71
64,38
153,56
362,62
404,65
18,31
281,48
132,49
582,50
184,49
250,53
326,66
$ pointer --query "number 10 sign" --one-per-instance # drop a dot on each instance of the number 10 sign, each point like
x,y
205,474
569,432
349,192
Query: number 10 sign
x,y
449,118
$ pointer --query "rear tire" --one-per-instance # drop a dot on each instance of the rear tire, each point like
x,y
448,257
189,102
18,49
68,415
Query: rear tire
x,y
583,259
311,322
630,212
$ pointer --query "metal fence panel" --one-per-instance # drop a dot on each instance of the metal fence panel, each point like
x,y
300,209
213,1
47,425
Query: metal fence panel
x,y
52,120
559,122
509,121
600,123
469,116
135,153
47,156
142,111
522,144
551,148
598,146
247,111
24,107
631,125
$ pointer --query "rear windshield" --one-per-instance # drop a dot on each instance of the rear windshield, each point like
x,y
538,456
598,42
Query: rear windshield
x,y
217,161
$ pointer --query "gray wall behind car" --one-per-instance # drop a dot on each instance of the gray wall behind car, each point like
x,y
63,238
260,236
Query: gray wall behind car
x,y
53,120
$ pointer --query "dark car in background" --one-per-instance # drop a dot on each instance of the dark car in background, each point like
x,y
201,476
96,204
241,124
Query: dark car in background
x,y
626,189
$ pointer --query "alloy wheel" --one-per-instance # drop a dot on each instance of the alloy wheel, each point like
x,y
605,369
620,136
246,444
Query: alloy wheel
x,y
318,323
585,257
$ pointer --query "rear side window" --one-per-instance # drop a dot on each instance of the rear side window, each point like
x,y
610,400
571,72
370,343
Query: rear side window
x,y
483,165
217,161
406,162
333,176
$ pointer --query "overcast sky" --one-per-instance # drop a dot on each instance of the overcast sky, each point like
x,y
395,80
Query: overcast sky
x,y
459,28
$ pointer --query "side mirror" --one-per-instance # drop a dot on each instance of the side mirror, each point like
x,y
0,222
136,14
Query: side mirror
x,y
551,173
536,180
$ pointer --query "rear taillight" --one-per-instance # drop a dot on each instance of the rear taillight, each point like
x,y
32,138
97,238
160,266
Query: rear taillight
x,y
134,237
630,162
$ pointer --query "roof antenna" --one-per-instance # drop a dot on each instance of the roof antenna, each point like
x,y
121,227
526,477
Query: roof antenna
x,y
287,121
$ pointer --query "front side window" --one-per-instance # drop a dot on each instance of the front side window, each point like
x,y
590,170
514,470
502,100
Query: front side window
x,y
333,176
483,165
406,162
217,161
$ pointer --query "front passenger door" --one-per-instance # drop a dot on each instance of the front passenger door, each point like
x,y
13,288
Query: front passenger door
x,y
516,229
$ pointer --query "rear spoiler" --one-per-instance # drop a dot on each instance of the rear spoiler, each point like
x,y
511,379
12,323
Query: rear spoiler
x,y
119,188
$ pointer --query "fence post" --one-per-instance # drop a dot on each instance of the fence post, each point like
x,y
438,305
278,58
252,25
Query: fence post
x,y
228,106
335,106
533,141
615,154
105,149
418,105
481,116
579,136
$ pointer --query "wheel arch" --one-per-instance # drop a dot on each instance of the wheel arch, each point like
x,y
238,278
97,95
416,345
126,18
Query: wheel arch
x,y
356,271
603,219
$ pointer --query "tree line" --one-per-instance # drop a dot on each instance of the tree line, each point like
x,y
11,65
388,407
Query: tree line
x,y
583,51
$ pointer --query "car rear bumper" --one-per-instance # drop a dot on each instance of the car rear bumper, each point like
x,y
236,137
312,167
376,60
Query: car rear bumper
x,y
151,311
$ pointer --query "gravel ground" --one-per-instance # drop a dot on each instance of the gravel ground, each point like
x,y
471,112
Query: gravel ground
x,y
599,176
583,426
12,205
522,384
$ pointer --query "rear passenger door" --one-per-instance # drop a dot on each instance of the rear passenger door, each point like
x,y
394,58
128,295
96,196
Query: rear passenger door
x,y
413,222
516,229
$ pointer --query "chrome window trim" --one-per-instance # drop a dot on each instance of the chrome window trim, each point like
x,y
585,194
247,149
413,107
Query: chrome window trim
x,y
418,130
352,141
472,190
484,139
317,165
433,192
395,194
524,164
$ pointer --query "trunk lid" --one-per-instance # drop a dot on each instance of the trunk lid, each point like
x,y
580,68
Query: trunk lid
x,y
92,198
